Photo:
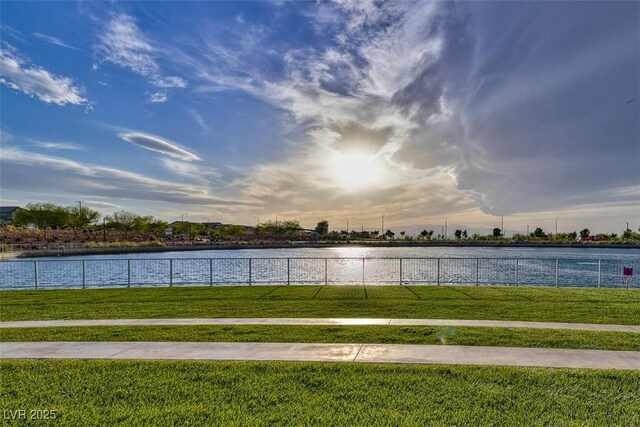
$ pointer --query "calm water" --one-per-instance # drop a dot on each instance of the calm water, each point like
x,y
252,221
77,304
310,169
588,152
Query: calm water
x,y
344,265
394,252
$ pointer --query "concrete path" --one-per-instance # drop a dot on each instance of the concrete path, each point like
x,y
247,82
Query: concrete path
x,y
363,353
322,322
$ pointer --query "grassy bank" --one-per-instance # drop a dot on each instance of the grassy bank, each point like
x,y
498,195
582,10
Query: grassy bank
x,y
453,302
502,337
215,393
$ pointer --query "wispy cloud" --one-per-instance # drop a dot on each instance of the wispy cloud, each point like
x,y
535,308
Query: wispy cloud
x,y
18,74
57,145
12,32
123,44
197,117
53,40
159,145
34,172
102,204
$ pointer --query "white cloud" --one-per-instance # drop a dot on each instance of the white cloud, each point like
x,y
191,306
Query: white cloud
x,y
33,172
53,40
157,97
16,73
102,204
123,44
159,145
57,145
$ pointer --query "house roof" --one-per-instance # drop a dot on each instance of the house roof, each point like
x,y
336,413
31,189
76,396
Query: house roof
x,y
5,209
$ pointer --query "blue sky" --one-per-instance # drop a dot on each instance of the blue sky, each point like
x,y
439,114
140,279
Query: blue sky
x,y
235,111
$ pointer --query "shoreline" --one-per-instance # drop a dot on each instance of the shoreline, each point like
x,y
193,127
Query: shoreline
x,y
235,246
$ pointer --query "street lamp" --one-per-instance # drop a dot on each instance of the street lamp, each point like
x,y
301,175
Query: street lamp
x,y
79,205
347,224
382,230
556,235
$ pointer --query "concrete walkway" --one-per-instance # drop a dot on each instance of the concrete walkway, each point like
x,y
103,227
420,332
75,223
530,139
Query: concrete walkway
x,y
363,353
322,322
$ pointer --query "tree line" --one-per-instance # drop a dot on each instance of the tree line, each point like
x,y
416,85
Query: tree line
x,y
46,216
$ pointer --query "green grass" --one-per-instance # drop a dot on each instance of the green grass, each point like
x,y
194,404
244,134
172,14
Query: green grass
x,y
502,337
248,393
454,302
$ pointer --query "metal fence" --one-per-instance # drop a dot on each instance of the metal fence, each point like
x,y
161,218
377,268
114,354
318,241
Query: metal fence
x,y
116,272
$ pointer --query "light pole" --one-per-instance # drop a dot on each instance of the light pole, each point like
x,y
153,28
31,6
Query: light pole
x,y
382,230
527,230
556,235
277,218
104,229
79,205
446,229
347,224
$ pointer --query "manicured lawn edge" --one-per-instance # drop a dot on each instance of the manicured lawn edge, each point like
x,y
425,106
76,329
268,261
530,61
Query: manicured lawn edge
x,y
479,336
444,302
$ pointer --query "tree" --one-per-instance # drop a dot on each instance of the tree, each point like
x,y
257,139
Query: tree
x,y
497,232
539,233
389,234
149,224
584,233
402,233
464,234
458,234
322,228
43,216
81,218
281,227
122,221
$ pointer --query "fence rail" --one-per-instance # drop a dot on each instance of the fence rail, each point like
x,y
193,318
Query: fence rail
x,y
119,272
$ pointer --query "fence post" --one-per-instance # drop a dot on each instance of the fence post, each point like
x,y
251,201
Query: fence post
x,y
35,273
477,271
557,270
210,271
170,272
438,273
400,271
599,272
288,271
84,274
128,273
249,271
326,278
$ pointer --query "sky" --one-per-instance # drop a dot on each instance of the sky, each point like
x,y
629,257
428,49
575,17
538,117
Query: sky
x,y
241,111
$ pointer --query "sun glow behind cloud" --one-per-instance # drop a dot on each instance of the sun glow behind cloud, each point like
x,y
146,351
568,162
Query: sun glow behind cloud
x,y
355,170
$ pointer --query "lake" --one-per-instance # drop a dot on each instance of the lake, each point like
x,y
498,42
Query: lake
x,y
531,266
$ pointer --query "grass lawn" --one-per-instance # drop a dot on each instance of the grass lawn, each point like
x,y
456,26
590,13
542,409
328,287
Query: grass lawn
x,y
453,302
250,393
501,337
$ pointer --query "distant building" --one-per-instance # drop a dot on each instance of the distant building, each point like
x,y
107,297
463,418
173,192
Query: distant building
x,y
7,213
